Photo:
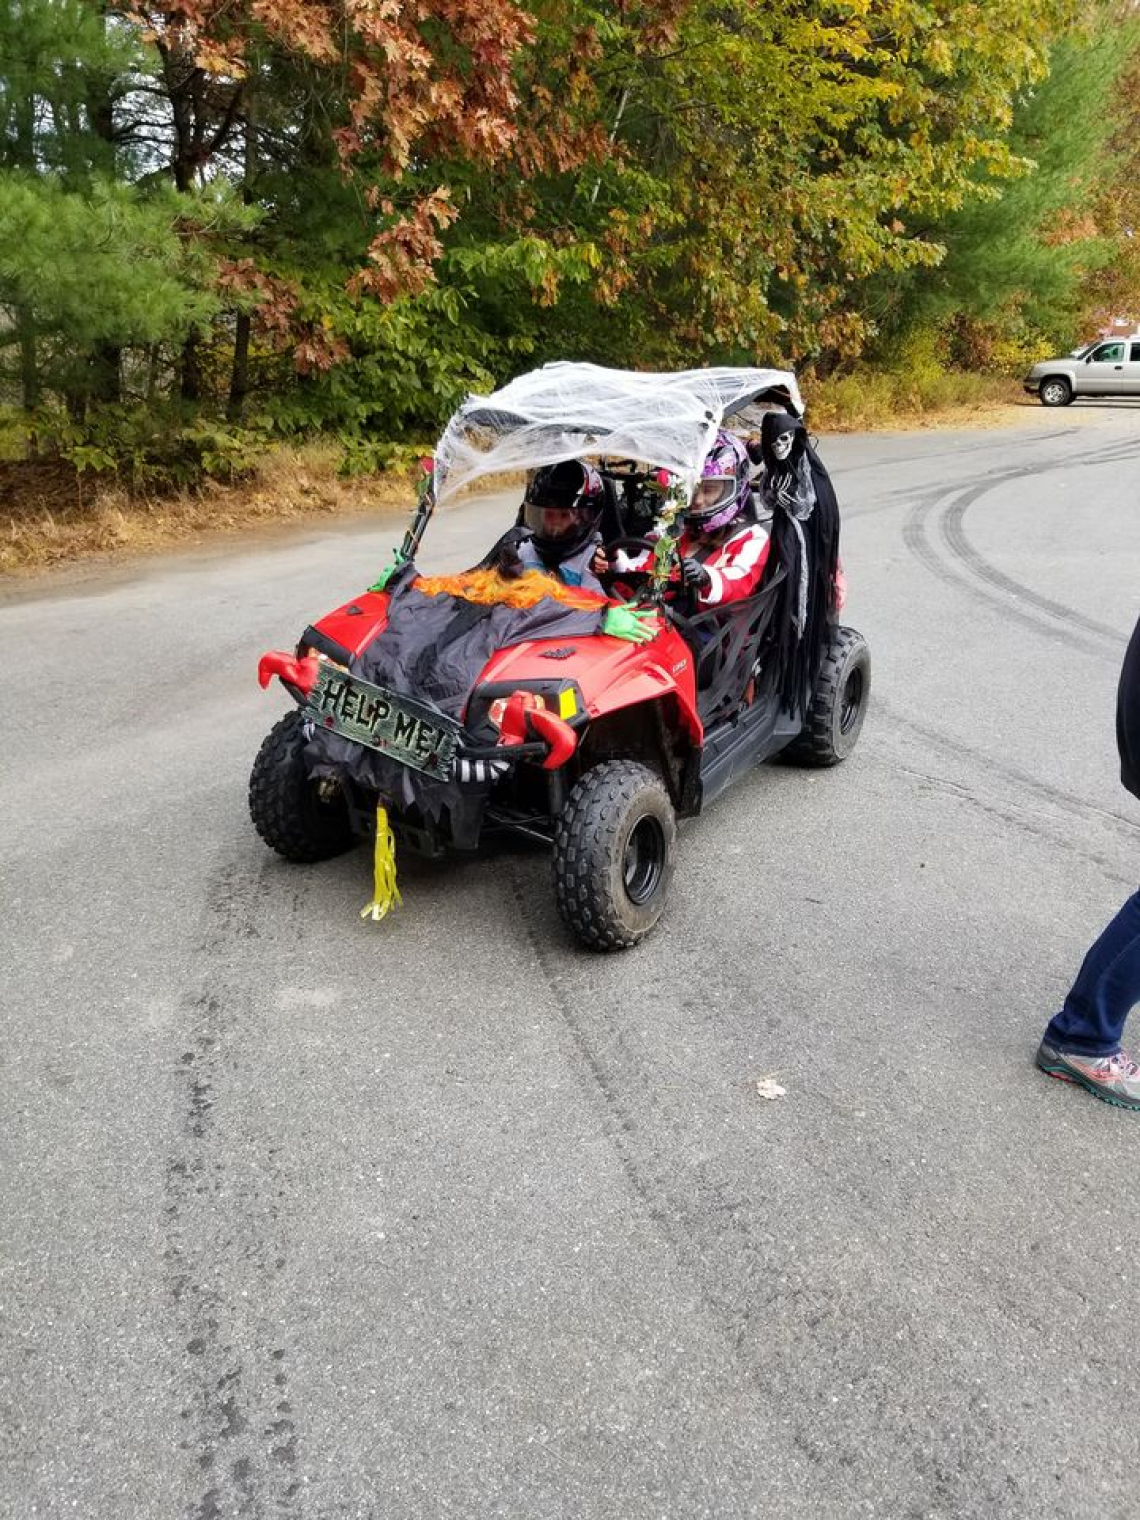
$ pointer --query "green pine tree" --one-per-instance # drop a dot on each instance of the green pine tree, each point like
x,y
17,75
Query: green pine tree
x,y
1015,259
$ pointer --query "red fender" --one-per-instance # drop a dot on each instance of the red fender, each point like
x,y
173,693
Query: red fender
x,y
299,673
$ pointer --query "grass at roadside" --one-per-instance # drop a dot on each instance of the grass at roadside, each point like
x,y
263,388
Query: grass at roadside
x,y
867,400
50,515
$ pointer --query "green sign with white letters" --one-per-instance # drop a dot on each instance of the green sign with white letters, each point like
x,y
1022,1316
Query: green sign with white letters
x,y
407,730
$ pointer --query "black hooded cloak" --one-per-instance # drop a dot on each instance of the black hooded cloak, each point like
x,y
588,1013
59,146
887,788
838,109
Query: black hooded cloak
x,y
797,490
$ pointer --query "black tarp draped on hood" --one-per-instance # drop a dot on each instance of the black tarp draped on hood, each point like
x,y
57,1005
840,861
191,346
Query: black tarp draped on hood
x,y
434,648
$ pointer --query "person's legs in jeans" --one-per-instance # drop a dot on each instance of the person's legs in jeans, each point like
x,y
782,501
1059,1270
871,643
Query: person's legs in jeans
x,y
1106,989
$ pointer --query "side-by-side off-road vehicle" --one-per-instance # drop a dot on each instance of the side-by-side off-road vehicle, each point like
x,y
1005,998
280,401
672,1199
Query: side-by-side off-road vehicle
x,y
473,704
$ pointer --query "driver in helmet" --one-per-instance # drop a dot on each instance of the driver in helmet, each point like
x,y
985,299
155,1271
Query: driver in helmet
x,y
559,531
721,555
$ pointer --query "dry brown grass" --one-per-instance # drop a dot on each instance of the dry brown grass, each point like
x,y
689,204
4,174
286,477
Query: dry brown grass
x,y
870,400
49,515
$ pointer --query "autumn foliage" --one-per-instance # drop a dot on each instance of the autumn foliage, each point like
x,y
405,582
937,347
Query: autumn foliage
x,y
340,215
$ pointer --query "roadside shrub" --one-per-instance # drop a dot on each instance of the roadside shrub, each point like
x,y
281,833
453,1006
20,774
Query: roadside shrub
x,y
1007,345
13,434
148,448
867,397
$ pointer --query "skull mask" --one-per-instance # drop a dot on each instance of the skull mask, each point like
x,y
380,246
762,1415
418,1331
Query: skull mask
x,y
787,484
781,440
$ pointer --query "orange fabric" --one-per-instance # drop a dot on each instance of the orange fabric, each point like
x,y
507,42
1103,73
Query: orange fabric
x,y
490,588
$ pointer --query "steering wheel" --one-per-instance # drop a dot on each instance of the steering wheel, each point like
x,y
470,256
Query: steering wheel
x,y
639,545
622,469
631,541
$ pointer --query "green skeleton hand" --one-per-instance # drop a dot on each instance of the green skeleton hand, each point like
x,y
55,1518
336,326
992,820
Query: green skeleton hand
x,y
396,563
639,625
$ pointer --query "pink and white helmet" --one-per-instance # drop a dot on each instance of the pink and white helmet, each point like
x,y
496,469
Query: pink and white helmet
x,y
722,491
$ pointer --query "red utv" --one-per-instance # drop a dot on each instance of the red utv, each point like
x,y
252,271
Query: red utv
x,y
469,705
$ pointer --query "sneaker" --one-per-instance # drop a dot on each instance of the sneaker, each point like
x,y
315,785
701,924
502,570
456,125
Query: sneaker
x,y
1115,1079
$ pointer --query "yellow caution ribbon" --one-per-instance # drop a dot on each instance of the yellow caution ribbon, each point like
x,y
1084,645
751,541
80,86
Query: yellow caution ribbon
x,y
385,892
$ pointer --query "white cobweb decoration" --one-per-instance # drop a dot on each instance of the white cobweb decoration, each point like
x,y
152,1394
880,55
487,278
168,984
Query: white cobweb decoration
x,y
584,411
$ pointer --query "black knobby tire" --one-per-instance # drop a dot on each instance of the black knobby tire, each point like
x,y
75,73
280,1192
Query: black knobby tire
x,y
613,854
285,806
1055,390
838,704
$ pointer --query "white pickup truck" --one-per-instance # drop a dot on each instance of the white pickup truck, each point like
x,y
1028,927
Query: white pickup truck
x,y
1108,368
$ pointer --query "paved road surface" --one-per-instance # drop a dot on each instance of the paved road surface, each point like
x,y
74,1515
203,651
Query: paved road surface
x,y
310,1218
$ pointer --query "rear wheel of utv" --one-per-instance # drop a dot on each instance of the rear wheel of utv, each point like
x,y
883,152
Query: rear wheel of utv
x,y
838,704
288,810
613,854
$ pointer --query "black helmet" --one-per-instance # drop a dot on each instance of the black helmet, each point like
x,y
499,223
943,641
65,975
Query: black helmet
x,y
562,506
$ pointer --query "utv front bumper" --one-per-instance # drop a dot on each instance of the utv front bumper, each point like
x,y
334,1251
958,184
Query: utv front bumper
x,y
418,735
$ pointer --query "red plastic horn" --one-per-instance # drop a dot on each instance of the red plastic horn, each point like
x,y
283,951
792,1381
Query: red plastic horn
x,y
558,734
299,673
525,717
512,726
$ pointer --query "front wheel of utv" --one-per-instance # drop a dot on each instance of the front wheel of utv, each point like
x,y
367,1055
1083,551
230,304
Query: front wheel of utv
x,y
288,810
613,854
838,704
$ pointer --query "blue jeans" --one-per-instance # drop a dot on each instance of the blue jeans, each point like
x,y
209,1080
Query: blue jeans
x,y
1105,991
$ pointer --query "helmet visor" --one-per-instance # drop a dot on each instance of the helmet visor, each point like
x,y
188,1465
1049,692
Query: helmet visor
x,y
561,507
560,524
560,486
711,495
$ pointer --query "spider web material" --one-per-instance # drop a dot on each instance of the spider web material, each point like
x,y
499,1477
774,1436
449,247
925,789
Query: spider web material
x,y
585,411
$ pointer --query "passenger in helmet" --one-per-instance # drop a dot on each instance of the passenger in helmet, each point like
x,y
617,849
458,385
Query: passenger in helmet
x,y
722,554
558,532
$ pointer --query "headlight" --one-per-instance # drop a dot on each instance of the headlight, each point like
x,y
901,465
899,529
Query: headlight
x,y
311,652
486,703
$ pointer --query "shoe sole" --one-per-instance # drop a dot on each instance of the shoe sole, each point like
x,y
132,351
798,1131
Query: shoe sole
x,y
1066,1074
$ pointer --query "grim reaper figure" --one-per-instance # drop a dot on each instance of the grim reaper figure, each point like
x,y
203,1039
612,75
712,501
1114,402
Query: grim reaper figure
x,y
797,490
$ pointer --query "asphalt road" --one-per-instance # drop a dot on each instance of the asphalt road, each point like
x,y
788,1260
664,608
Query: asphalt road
x,y
305,1217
